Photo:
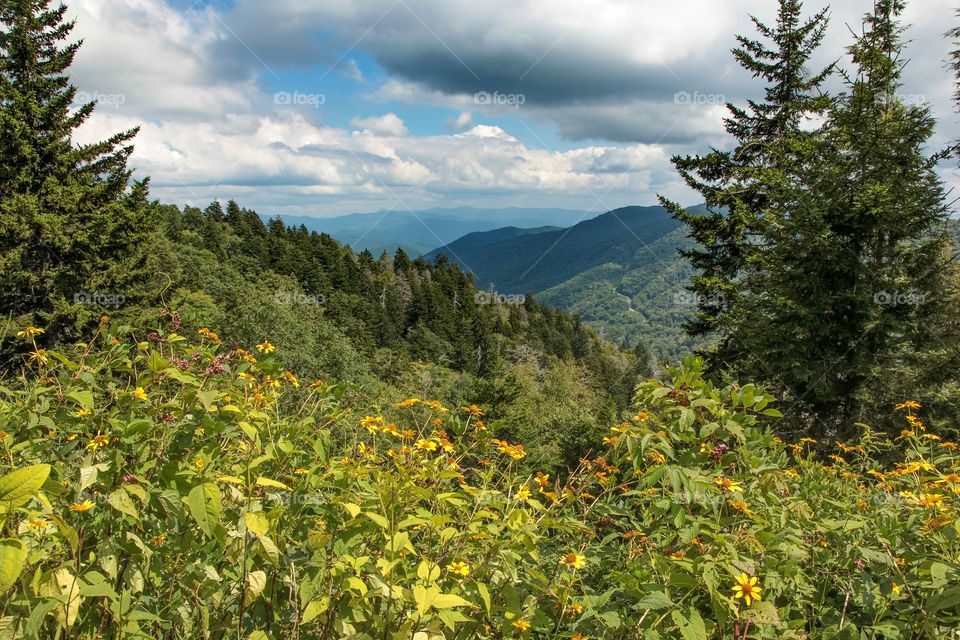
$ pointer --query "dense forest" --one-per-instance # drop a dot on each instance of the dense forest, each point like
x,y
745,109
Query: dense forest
x,y
215,427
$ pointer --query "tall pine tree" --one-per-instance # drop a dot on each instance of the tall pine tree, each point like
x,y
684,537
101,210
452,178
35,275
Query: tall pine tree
x,y
69,221
851,275
732,182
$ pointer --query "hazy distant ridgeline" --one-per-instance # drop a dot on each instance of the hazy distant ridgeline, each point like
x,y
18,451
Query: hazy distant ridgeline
x,y
418,232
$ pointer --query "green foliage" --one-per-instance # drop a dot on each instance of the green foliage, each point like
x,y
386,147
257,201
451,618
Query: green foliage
x,y
144,498
67,219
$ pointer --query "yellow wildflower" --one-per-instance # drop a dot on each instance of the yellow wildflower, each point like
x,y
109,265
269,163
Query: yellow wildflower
x,y
746,587
80,507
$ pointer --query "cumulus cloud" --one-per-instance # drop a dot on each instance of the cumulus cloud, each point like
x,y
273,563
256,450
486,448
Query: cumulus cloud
x,y
624,84
389,124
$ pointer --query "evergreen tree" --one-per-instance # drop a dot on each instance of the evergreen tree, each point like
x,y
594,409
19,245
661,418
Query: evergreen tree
x,y
731,182
853,268
68,222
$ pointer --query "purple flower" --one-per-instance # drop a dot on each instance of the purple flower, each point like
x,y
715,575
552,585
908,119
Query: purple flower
x,y
153,336
129,478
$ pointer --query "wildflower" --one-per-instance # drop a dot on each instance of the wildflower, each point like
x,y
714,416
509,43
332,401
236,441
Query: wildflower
x,y
573,560
611,440
435,405
29,332
80,507
409,402
3,435
574,609
459,568
316,384
139,393
371,423
523,493
656,457
895,589
81,413
99,440
473,410
578,636
740,505
640,417
266,347
909,404
39,356
521,625
727,484
808,440
746,587
39,523
199,463
292,379
157,540
426,445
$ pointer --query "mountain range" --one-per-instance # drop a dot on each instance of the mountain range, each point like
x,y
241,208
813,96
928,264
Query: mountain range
x,y
417,232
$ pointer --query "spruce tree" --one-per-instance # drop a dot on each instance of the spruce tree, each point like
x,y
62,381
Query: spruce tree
x,y
731,183
69,222
853,268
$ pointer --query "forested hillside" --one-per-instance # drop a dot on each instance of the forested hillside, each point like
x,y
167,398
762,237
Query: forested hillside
x,y
621,272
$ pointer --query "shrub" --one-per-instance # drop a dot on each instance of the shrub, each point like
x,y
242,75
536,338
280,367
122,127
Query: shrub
x,y
172,487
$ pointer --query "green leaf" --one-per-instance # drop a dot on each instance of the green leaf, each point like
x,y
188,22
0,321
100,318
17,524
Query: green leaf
x,y
121,501
257,523
273,484
255,584
484,595
315,608
378,519
655,600
17,487
691,628
13,557
204,504
83,397
448,600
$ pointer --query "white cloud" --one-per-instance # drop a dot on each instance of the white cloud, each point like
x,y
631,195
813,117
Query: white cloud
x,y
389,124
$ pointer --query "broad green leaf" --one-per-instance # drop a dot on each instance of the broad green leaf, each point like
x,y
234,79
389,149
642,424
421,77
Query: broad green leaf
x,y
13,556
378,519
273,484
655,600
121,501
448,600
256,581
257,523
17,487
82,397
315,608
204,504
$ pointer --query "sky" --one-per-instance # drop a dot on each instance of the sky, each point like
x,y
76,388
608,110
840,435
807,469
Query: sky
x,y
329,107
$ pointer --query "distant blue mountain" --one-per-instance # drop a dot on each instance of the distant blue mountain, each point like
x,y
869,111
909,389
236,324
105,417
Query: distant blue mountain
x,y
417,232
